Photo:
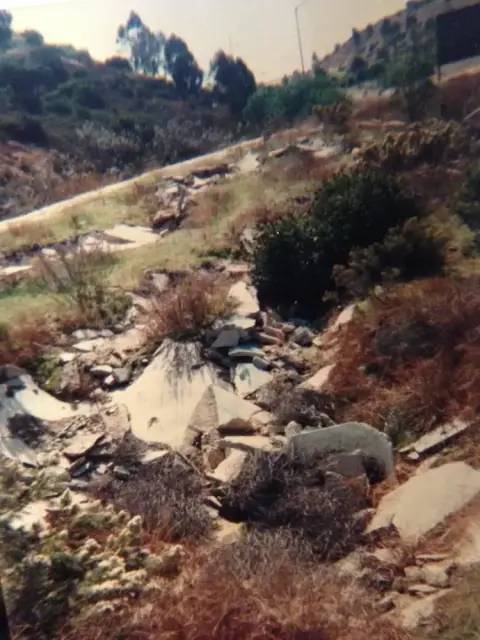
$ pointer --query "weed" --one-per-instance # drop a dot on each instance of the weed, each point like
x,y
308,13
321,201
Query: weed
x,y
415,347
189,308
80,275
167,495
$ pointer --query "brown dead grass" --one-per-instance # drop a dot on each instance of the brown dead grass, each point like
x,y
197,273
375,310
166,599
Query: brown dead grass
x,y
262,588
411,361
25,343
460,95
189,308
376,108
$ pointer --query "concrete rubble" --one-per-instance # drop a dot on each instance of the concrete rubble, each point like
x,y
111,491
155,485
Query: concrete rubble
x,y
426,500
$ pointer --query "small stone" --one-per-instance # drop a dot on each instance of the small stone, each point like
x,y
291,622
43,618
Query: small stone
x,y
293,361
437,575
262,363
228,338
109,382
293,429
101,371
246,351
265,338
122,375
212,457
85,334
288,328
275,333
421,590
303,336
121,473
65,357
385,605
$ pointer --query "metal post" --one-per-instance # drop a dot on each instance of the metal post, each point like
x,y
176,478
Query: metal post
x,y
299,37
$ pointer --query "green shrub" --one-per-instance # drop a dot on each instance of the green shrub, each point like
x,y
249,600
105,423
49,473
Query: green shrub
x,y
294,258
23,129
467,204
410,251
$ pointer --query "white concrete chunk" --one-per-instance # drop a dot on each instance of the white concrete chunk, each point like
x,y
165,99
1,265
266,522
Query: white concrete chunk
x,y
424,501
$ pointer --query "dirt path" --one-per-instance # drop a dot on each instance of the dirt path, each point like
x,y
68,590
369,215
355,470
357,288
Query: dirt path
x,y
181,168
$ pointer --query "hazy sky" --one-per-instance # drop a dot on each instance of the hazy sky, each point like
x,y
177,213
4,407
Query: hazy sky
x,y
261,31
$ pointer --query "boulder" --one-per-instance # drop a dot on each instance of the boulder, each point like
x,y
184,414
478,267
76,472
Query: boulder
x,y
246,298
231,466
161,401
218,407
302,336
426,500
227,338
101,371
248,378
319,380
350,437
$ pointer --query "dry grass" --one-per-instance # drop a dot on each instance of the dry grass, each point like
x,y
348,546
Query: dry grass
x,y
262,588
411,361
24,344
460,95
168,497
189,308
376,108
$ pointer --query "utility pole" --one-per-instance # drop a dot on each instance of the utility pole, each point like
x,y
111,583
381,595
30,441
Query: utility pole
x,y
300,46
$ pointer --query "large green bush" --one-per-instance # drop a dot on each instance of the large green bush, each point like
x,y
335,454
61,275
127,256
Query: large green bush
x,y
294,258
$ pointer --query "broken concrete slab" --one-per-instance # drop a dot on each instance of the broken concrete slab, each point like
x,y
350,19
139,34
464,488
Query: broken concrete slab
x,y
318,381
227,338
436,439
348,437
246,351
86,346
82,445
231,467
161,401
425,501
248,444
248,378
246,298
218,407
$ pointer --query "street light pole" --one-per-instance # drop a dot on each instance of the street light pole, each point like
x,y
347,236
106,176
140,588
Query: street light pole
x,y
300,47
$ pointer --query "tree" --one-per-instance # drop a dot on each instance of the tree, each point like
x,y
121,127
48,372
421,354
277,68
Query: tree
x,y
233,81
369,31
386,29
358,66
182,67
357,38
145,47
409,74
5,29
33,38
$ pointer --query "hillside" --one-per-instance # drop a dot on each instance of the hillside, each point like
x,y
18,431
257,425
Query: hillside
x,y
372,41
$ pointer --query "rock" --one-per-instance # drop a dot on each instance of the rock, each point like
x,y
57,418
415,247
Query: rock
x,y
238,322
85,334
231,466
267,339
248,444
101,371
162,399
421,589
348,465
303,337
386,604
215,356
261,363
218,407
294,361
80,467
164,216
437,439
344,318
437,575
424,501
319,380
122,375
247,378
66,357
227,532
160,282
212,457
293,429
349,437
87,346
82,445
246,351
275,333
417,612
236,427
228,338
245,298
